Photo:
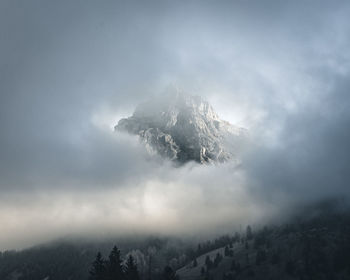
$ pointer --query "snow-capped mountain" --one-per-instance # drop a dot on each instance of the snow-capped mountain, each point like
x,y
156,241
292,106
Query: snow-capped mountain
x,y
184,128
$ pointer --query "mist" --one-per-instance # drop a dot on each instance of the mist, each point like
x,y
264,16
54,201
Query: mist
x,y
70,70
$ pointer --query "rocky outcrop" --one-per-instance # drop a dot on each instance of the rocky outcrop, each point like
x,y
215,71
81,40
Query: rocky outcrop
x,y
183,128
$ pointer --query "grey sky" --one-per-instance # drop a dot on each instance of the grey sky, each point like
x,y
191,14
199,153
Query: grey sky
x,y
70,69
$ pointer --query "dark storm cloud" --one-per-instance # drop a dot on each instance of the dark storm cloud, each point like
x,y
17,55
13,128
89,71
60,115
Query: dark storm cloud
x,y
70,69
312,161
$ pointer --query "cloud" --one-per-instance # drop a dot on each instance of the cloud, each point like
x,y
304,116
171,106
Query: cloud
x,y
311,160
176,201
70,70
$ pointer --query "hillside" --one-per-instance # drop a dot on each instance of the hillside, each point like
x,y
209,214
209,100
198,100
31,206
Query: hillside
x,y
314,249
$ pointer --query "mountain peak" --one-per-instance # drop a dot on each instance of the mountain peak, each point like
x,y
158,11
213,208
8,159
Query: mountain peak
x,y
183,128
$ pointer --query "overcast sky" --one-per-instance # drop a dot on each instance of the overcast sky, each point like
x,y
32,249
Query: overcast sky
x,y
69,70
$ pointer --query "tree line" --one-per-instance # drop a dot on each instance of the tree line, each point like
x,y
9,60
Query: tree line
x,y
114,268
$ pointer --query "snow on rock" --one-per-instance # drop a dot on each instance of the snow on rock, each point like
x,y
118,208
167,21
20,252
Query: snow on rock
x,y
184,128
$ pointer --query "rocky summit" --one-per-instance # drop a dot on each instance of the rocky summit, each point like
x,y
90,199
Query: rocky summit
x,y
184,128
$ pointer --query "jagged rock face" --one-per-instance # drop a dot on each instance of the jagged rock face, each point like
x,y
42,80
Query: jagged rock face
x,y
183,128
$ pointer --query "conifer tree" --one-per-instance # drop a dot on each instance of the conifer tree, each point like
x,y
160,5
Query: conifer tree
x,y
202,270
208,263
114,265
131,272
227,251
217,259
199,249
260,257
169,274
249,233
98,269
